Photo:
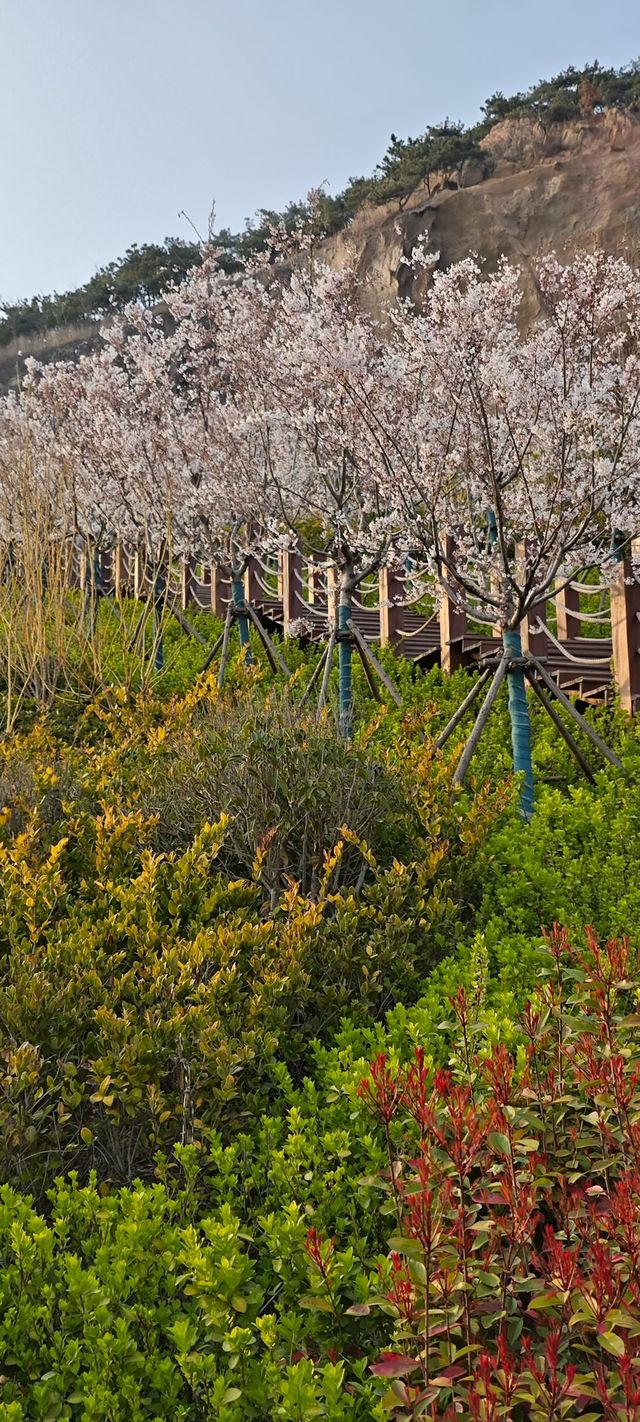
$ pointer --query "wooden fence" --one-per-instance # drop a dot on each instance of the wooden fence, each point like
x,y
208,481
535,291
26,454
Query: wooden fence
x,y
587,635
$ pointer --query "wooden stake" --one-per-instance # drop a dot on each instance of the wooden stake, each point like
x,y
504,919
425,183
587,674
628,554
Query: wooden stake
x,y
327,669
186,625
573,711
315,674
210,655
368,673
559,723
366,651
463,708
485,712
140,626
271,650
225,646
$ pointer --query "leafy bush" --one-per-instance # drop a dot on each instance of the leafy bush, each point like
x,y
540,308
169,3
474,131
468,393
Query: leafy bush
x,y
185,1028
252,1280
147,997
288,785
118,1308
578,865
514,1182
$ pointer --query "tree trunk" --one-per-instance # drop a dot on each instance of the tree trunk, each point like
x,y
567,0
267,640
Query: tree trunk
x,y
520,723
345,658
159,589
237,589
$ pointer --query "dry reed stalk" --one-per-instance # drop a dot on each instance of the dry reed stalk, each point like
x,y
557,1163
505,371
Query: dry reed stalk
x,y
59,635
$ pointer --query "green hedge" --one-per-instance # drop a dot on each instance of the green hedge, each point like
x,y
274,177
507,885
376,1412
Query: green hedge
x,y
185,1028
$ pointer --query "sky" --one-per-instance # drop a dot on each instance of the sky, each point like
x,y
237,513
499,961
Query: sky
x,y
117,115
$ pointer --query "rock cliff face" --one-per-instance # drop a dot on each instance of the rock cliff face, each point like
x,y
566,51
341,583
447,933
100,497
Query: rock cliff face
x,y
569,188
535,191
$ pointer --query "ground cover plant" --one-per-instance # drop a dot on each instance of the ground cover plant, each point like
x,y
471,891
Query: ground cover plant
x,y
214,1038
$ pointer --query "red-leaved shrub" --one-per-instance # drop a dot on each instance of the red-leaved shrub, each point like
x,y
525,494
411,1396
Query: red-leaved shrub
x,y
514,1273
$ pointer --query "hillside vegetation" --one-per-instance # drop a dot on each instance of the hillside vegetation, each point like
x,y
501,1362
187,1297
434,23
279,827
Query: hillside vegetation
x,y
439,154
247,972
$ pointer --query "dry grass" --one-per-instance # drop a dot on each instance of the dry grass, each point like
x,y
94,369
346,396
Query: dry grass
x,y
58,635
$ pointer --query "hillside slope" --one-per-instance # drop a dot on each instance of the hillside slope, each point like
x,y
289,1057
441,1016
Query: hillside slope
x,y
572,187
62,343
535,190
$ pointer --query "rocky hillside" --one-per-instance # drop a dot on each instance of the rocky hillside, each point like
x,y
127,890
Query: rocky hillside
x,y
569,187
534,189
65,343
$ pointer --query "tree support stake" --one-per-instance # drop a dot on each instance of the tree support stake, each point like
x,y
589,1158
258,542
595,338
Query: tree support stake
x,y
560,726
573,711
485,712
463,708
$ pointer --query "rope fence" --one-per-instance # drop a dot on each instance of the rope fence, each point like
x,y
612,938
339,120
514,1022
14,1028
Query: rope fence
x,y
299,598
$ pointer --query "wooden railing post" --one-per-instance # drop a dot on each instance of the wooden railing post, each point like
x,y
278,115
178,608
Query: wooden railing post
x,y
106,567
452,629
218,605
119,575
316,583
139,572
332,594
496,630
186,582
567,601
534,639
289,570
73,564
83,565
625,635
391,588
252,589
205,583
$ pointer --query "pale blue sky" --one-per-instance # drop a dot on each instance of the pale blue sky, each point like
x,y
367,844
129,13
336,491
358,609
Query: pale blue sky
x,y
115,114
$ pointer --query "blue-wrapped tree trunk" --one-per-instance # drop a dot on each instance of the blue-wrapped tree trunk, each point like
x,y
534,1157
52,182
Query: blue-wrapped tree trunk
x,y
345,657
520,722
239,603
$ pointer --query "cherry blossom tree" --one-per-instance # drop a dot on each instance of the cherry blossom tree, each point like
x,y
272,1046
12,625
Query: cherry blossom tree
x,y
99,431
513,458
266,407
48,515
41,474
36,434
228,512
321,370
